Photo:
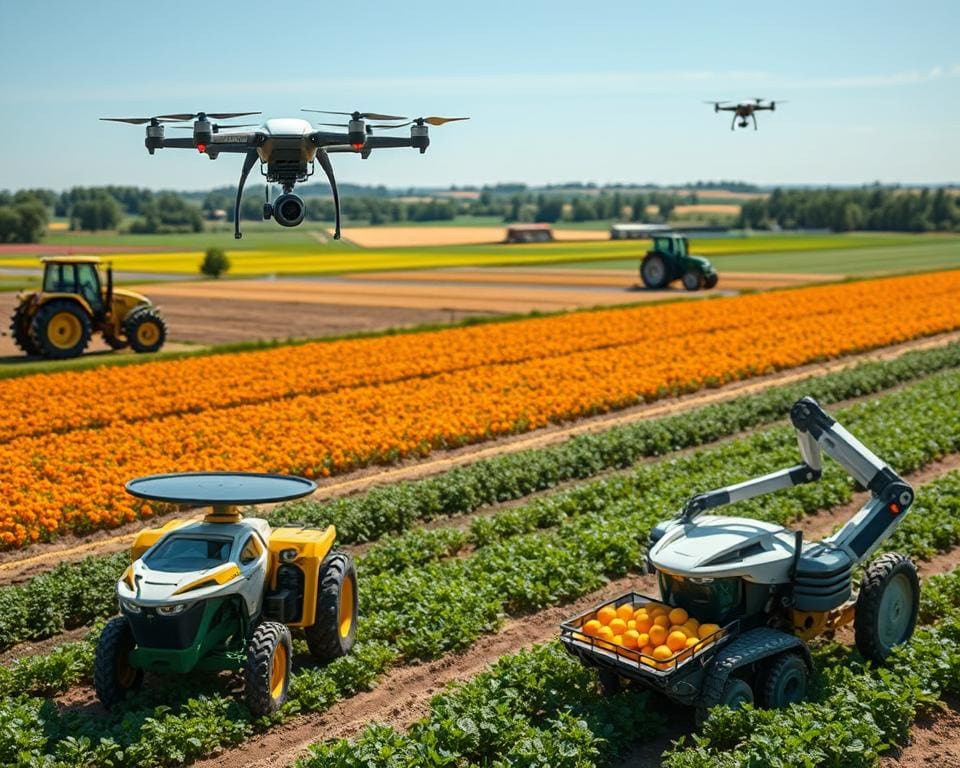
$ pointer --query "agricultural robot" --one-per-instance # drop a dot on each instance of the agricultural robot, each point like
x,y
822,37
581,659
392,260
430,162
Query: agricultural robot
x,y
765,589
669,259
743,110
74,302
222,592
286,148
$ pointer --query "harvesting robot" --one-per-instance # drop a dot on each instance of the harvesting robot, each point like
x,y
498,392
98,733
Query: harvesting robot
x,y
766,590
286,148
222,593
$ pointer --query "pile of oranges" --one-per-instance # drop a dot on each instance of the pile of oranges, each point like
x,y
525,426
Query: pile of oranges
x,y
654,632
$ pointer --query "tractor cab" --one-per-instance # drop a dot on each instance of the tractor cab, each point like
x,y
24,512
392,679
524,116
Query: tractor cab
x,y
675,245
77,300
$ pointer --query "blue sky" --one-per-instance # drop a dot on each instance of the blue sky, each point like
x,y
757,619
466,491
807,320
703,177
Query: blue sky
x,y
557,91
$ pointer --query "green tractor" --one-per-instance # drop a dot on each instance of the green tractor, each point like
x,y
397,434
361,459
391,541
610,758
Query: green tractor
x,y
74,302
670,260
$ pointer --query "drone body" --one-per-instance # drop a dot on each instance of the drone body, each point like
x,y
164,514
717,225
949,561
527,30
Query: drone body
x,y
286,148
743,110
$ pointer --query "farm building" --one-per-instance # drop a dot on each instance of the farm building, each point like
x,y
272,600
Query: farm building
x,y
529,233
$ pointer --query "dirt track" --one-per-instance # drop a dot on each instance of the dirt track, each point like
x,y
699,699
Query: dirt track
x,y
20,564
409,237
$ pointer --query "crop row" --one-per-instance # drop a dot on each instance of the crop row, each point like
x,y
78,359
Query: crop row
x,y
427,611
73,481
540,707
73,594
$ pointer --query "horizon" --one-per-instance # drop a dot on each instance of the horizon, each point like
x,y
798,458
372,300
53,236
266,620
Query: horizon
x,y
550,95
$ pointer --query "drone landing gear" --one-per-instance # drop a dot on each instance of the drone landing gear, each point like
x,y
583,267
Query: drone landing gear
x,y
324,159
733,123
754,121
248,163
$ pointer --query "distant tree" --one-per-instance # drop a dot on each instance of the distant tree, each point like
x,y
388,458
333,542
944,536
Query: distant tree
x,y
584,210
215,263
549,209
23,222
97,213
168,213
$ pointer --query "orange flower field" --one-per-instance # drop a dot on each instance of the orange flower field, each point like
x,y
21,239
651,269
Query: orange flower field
x,y
323,408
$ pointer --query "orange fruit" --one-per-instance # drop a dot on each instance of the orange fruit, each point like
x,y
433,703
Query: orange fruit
x,y
679,628
640,613
662,620
631,624
656,610
618,625
630,638
676,641
693,625
658,634
643,639
592,627
706,630
662,652
678,616
606,614
644,624
618,639
605,633
692,641
647,650
625,612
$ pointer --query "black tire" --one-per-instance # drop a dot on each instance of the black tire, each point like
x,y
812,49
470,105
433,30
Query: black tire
x,y
736,693
711,281
693,280
610,684
886,611
266,676
113,677
654,271
20,329
334,629
784,681
60,329
145,330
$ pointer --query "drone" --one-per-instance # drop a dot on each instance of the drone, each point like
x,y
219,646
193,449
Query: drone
x,y
286,148
743,110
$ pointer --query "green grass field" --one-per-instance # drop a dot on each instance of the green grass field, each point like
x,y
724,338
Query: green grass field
x,y
300,253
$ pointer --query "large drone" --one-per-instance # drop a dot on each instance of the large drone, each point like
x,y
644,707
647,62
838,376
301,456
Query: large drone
x,y
287,147
743,110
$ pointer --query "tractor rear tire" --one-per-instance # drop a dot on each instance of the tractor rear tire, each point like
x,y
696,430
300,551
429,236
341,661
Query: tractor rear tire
x,y
784,681
266,676
334,629
60,329
736,693
654,271
113,676
20,330
886,610
145,330
610,683
711,282
693,280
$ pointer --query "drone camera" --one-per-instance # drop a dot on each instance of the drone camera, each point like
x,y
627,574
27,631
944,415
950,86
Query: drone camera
x,y
288,210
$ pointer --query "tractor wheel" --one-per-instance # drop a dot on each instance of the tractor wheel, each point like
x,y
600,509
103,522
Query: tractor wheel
x,y
610,684
60,329
146,331
785,681
266,676
654,272
693,280
113,676
886,609
20,330
711,281
736,693
334,630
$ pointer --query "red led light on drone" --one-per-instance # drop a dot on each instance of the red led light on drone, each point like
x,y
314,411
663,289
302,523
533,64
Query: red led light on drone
x,y
894,507
201,147
357,147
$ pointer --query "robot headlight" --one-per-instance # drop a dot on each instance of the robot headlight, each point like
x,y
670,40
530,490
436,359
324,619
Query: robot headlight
x,y
171,610
130,606
288,555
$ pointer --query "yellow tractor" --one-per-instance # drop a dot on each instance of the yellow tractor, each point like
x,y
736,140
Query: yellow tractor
x,y
74,302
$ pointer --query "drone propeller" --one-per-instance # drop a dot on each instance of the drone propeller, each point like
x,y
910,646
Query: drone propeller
x,y
217,127
429,120
139,120
214,115
358,115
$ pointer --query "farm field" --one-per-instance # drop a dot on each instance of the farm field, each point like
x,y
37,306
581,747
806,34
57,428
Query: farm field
x,y
498,574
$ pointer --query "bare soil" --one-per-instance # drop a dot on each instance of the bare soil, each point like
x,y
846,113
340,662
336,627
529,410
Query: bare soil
x,y
18,565
934,741
399,237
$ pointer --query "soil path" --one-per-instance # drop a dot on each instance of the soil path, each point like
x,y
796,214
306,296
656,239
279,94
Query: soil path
x,y
21,564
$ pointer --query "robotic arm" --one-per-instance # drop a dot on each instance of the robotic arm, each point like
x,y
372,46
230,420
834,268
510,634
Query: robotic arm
x,y
890,497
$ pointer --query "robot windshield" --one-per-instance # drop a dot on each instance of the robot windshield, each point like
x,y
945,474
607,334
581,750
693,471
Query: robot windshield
x,y
181,554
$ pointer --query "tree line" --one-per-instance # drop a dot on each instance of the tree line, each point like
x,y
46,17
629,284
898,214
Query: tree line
x,y
845,210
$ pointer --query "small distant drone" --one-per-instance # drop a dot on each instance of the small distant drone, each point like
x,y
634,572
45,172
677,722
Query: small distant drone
x,y
288,147
743,110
